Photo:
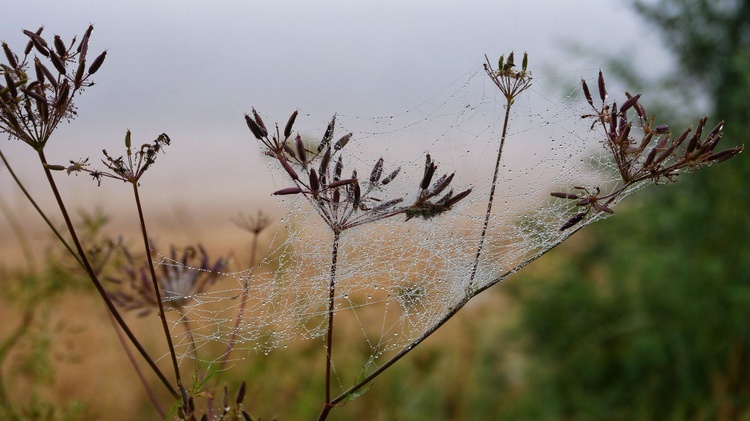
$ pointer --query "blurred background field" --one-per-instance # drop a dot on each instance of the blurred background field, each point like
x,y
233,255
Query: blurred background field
x,y
643,316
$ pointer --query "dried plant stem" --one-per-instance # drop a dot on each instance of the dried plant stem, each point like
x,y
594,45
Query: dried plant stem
x,y
243,302
138,372
488,213
329,337
17,228
95,280
162,315
39,210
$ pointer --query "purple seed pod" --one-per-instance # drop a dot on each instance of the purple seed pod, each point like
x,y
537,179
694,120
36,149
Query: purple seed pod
x,y
289,124
97,62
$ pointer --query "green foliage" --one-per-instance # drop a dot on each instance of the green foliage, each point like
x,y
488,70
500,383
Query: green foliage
x,y
657,329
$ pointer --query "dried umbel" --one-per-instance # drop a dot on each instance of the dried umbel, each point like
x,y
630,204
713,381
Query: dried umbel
x,y
642,150
346,201
179,278
33,103
129,168
508,78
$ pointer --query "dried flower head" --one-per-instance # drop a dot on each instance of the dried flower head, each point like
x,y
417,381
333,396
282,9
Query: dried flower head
x,y
179,278
508,78
346,201
129,168
642,150
32,104
252,224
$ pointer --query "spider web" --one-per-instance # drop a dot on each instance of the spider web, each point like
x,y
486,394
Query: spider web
x,y
396,280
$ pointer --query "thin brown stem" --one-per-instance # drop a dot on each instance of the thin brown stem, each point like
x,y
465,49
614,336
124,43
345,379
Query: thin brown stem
x,y
329,337
138,372
491,198
157,292
95,280
243,302
38,209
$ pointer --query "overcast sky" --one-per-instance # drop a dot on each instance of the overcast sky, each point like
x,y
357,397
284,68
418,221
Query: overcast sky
x,y
192,68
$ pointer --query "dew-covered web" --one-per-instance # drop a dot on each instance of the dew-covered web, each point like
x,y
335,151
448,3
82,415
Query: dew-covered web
x,y
395,280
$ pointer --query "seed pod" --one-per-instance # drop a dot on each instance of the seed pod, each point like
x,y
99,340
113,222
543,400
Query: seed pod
x,y
63,95
314,185
441,184
666,154
84,45
328,135
355,195
572,221
342,142
30,92
127,139
391,176
240,394
725,154
645,141
661,129
501,63
288,168
624,134
455,199
714,136
377,171
649,158
253,126
12,121
79,72
429,172
510,62
11,85
324,161
289,150
587,93
288,190
602,87
97,62
57,62
289,124
613,121
39,43
682,137
30,44
629,103
300,149
225,400
55,167
525,61
60,47
10,56
340,183
338,169
565,195
260,123
385,205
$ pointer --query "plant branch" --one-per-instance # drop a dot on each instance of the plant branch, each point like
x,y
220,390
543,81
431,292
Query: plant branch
x,y
491,198
162,315
95,280
39,210
329,340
